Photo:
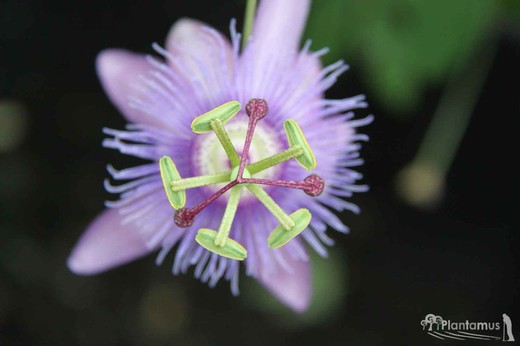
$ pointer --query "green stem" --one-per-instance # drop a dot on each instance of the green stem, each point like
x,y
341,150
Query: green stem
x,y
229,216
223,137
275,159
189,183
248,21
453,114
271,205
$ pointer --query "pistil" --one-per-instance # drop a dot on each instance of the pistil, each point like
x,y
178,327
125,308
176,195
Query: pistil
x,y
256,109
185,215
313,185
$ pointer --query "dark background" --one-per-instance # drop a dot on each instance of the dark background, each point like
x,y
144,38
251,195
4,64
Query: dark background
x,y
399,263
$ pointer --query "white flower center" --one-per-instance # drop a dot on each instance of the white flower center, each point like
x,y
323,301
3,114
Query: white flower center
x,y
210,157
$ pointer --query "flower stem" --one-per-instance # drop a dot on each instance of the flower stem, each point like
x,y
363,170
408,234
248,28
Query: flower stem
x,y
189,183
248,21
223,137
453,114
229,215
271,205
274,160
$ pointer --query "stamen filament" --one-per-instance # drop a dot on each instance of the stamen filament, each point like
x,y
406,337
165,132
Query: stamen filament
x,y
223,137
271,205
274,160
189,183
229,216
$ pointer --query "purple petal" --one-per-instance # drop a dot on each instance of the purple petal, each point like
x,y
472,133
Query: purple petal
x,y
203,58
190,40
120,71
292,288
279,24
106,244
187,33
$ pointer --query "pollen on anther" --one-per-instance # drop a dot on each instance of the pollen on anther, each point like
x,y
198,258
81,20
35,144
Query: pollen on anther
x,y
257,108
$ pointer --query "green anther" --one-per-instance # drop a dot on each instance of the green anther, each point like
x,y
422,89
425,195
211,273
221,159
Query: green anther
x,y
295,137
224,113
169,175
229,215
281,236
206,238
276,159
223,137
190,183
271,205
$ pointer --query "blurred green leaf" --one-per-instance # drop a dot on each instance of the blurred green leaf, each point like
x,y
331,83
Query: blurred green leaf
x,y
401,46
510,9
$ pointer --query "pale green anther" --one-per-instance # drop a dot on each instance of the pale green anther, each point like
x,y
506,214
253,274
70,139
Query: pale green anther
x,y
231,249
229,216
276,159
281,236
170,174
223,137
271,205
189,183
295,137
224,113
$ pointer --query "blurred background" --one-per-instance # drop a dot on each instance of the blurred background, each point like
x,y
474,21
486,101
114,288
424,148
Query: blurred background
x,y
435,234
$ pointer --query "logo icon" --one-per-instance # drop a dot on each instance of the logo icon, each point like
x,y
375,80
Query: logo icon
x,y
444,329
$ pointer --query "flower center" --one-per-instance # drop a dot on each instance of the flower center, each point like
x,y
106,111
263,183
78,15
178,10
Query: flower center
x,y
209,157
262,147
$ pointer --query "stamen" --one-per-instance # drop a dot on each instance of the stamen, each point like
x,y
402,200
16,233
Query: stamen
x,y
295,137
224,113
170,174
190,183
232,249
276,159
223,137
280,236
229,215
272,206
